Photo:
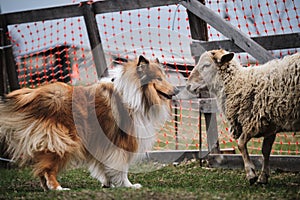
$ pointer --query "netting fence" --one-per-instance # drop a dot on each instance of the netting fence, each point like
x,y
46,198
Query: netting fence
x,y
58,50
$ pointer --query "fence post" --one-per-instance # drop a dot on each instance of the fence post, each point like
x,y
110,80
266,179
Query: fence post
x,y
3,88
175,103
9,60
94,39
3,85
199,31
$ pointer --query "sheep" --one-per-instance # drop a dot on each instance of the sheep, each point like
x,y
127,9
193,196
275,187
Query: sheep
x,y
257,101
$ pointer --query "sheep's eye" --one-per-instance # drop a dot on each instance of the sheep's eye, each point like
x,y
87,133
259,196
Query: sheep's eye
x,y
206,65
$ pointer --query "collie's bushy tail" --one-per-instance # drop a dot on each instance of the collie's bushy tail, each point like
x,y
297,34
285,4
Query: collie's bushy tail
x,y
27,130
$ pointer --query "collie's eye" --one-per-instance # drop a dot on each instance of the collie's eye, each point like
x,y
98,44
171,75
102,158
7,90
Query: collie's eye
x,y
159,79
205,65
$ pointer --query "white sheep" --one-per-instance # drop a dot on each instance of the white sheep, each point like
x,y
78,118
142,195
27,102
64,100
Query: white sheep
x,y
257,101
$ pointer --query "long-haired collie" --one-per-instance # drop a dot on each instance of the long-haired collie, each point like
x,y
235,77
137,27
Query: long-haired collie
x,y
105,126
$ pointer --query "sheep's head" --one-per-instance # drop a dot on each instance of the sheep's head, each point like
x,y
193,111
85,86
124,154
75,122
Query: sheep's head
x,y
203,76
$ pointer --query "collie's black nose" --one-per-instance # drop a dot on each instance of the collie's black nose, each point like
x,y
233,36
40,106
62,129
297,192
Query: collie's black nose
x,y
176,90
188,87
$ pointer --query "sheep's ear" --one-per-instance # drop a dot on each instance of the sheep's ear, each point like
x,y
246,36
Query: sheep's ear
x,y
156,60
227,57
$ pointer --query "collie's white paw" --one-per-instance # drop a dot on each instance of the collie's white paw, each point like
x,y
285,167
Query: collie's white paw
x,y
136,186
61,188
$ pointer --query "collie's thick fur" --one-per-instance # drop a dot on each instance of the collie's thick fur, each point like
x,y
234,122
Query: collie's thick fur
x,y
105,126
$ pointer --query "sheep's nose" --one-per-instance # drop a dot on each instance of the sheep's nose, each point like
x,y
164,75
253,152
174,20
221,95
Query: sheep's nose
x,y
192,88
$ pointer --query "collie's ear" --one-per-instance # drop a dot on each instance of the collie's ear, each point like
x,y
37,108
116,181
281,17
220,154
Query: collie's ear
x,y
156,60
142,65
226,58
142,60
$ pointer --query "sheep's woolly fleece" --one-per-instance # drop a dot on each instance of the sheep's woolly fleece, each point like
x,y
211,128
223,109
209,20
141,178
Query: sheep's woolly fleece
x,y
261,99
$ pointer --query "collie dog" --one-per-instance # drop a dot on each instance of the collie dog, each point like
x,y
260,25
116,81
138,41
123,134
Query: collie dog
x,y
105,126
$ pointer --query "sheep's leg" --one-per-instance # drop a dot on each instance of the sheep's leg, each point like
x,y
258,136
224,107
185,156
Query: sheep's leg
x,y
266,150
249,166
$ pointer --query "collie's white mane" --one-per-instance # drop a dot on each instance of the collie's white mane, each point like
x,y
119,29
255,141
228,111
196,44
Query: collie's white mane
x,y
130,88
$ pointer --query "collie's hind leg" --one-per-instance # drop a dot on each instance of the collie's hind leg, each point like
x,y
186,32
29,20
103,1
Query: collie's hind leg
x,y
49,182
47,167
52,182
44,183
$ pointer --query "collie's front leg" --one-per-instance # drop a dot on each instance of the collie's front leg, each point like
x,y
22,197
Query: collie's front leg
x,y
120,179
98,171
127,183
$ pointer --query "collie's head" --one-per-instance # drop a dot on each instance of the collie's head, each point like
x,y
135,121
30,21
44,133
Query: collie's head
x,y
143,85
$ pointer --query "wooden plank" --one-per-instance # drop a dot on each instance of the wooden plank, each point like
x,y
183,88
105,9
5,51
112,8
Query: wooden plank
x,y
281,41
2,82
228,30
171,156
284,162
3,90
208,105
212,132
75,10
198,26
223,160
3,149
60,12
199,31
9,59
274,42
175,103
94,39
123,5
2,67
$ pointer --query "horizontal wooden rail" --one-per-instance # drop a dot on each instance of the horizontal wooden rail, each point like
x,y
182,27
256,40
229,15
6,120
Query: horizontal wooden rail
x,y
75,10
225,160
274,42
277,162
227,29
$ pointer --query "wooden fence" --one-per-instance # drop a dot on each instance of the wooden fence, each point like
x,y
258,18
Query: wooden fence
x,y
199,16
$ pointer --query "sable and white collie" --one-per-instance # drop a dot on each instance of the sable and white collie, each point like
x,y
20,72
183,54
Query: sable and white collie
x,y
105,126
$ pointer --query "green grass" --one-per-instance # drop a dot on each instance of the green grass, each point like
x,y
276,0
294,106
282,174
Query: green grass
x,y
185,181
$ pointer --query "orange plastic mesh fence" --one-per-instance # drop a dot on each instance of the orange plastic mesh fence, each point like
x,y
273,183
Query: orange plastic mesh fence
x,y
58,50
